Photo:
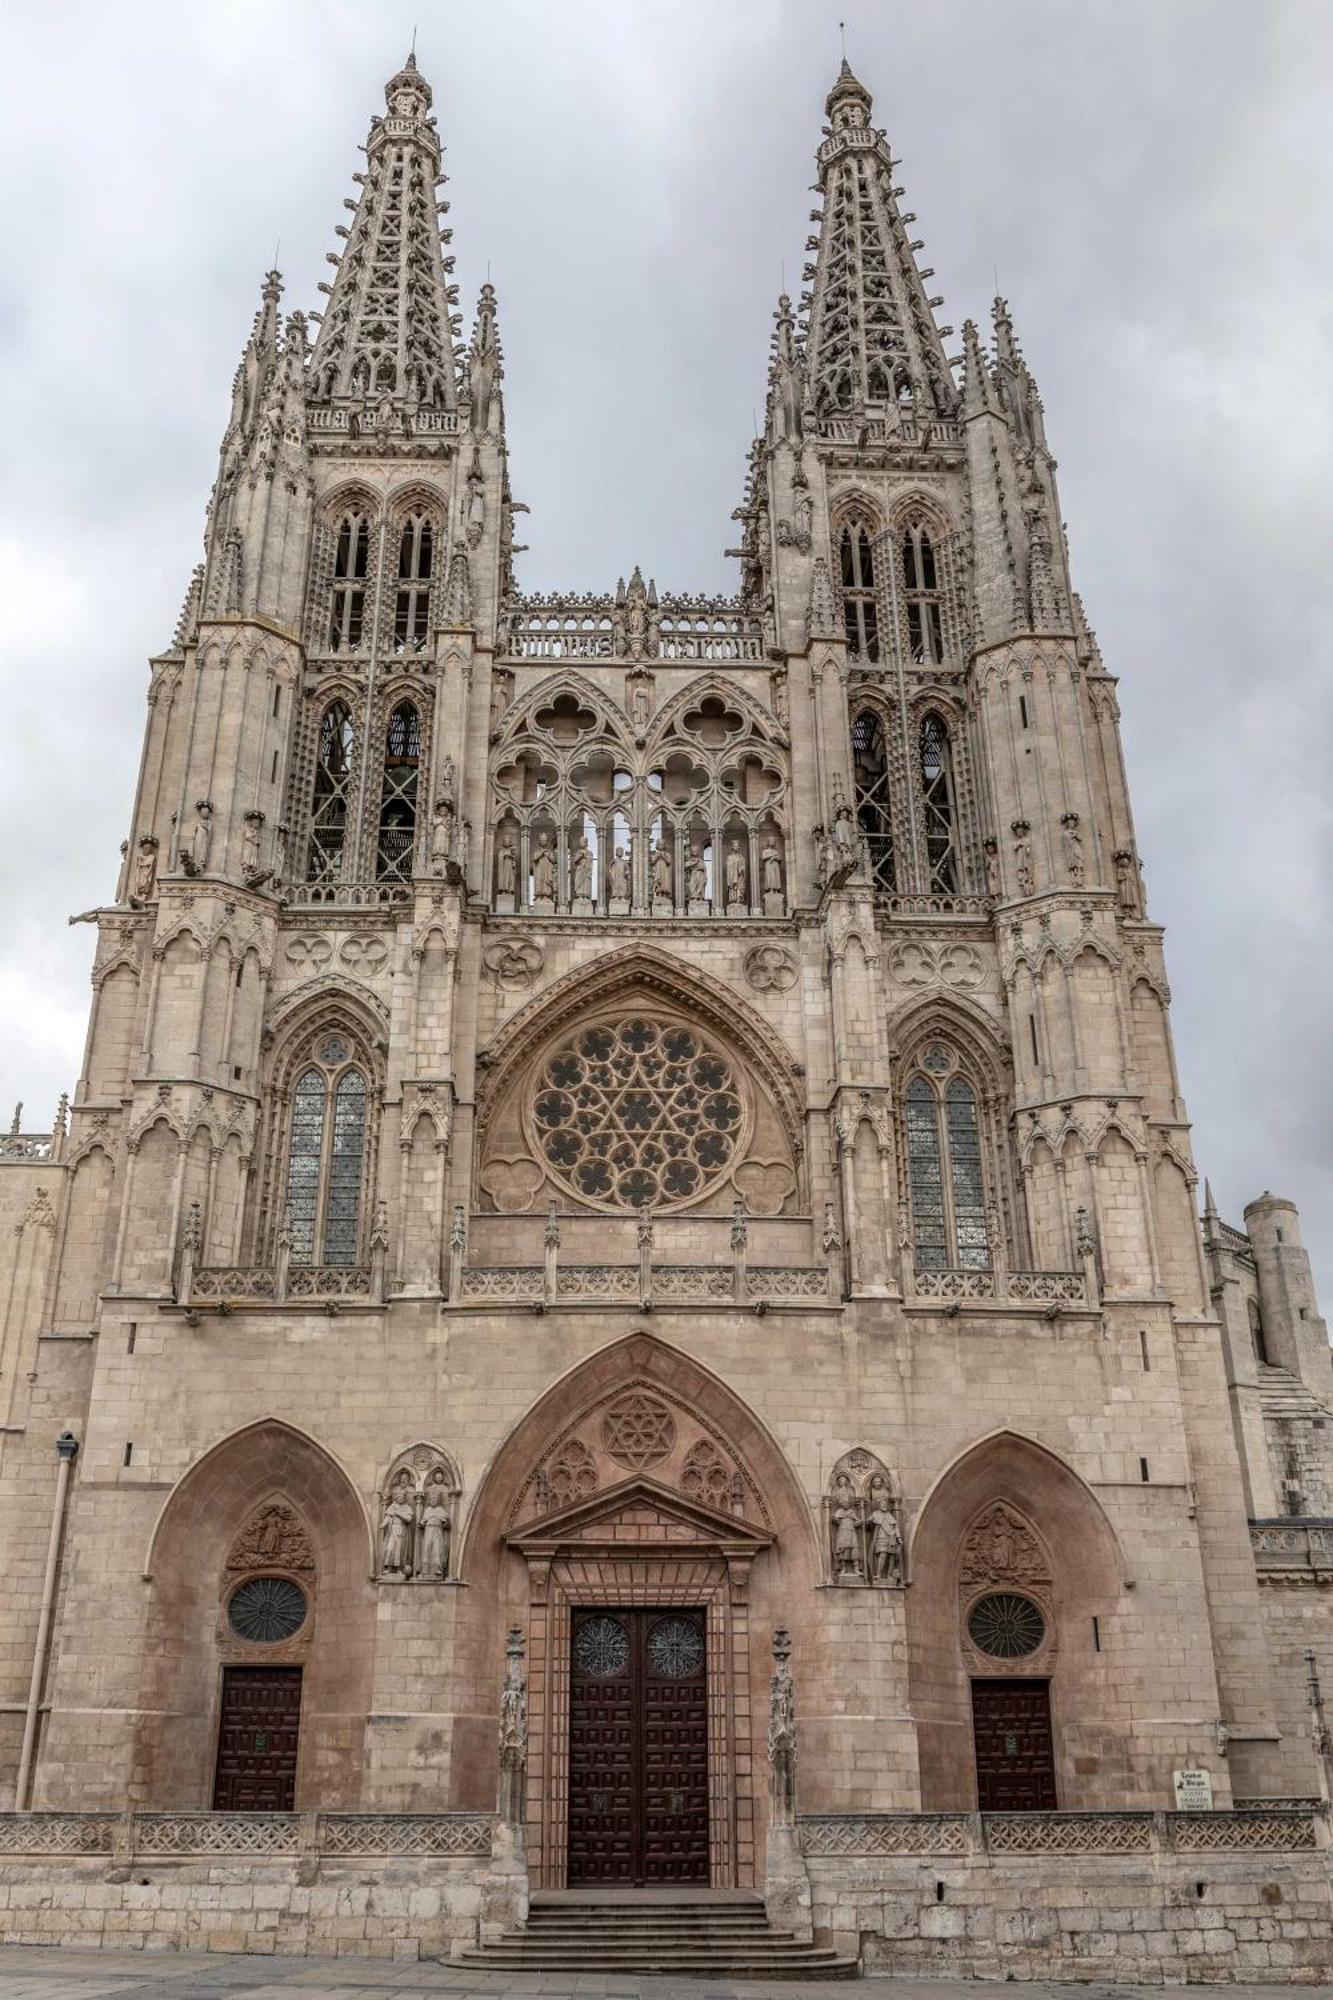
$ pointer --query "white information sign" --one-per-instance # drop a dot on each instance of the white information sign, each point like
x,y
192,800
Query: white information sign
x,y
1194,1791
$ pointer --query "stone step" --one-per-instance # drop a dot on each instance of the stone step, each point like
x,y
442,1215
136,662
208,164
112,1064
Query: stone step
x,y
729,1926
799,1963
644,1939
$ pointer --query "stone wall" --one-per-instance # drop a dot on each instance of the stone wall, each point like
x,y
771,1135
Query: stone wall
x,y
1152,1897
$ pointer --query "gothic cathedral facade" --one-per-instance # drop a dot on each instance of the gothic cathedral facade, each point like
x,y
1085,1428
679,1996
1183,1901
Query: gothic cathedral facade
x,y
644,1121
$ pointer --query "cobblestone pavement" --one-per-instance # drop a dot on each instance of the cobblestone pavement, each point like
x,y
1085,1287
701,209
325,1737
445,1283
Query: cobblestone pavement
x,y
36,1972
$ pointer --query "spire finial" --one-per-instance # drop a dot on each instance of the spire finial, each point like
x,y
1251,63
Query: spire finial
x,y
842,34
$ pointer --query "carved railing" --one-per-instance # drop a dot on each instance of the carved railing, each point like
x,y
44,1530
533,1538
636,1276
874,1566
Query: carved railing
x,y
260,1284
1059,1288
937,906
597,1281
561,627
347,895
879,430
26,1146
1295,1545
335,418
667,1284
1277,1830
186,1835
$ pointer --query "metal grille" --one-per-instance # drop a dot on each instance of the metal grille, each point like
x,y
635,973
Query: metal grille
x,y
1005,1625
870,779
675,1647
328,805
398,796
267,1609
601,1647
937,807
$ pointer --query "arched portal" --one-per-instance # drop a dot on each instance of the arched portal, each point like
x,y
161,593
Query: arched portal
x,y
260,1618
1018,1602
647,1533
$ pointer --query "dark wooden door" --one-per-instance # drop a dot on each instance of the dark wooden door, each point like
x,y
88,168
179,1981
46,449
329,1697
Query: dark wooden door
x,y
1011,1725
261,1721
638,1748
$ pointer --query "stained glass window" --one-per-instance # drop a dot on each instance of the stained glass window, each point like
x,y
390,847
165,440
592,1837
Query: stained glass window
x,y
326,1157
1005,1625
267,1609
870,780
945,1175
937,807
398,796
860,617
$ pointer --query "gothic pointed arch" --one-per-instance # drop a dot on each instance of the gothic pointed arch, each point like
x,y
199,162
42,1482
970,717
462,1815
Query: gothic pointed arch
x,y
539,712
270,1503
674,716
1008,1519
323,1089
635,1083
953,1089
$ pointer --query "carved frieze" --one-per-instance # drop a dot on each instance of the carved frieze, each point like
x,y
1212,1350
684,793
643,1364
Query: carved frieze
x,y
273,1537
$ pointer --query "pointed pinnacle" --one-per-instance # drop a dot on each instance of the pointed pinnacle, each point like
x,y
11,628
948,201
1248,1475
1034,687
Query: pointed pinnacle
x,y
1209,1205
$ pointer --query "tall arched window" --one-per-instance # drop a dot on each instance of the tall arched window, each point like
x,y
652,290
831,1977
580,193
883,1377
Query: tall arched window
x,y
860,618
351,564
411,617
398,796
948,1193
870,781
921,594
326,1155
328,804
937,808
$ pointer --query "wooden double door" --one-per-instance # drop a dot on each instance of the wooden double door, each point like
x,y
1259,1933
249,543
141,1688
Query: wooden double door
x,y
257,1740
1011,1727
638,1747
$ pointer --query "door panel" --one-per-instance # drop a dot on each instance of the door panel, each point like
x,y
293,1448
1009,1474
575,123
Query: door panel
x,y
638,1748
257,1740
1011,1727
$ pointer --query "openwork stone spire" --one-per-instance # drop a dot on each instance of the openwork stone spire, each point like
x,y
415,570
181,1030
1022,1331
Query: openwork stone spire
x,y
872,341
389,327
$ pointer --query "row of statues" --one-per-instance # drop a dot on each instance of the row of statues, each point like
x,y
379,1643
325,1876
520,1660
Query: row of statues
x,y
416,1527
543,872
865,1536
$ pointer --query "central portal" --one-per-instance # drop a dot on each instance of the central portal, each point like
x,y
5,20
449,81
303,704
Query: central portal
x,y
638,1747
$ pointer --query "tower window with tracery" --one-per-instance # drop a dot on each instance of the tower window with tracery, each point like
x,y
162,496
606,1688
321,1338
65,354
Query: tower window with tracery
x,y
937,808
326,1155
944,1167
396,839
351,566
860,615
870,780
329,798
416,553
921,593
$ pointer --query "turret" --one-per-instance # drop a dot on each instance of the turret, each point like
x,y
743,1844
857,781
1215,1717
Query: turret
x,y
1294,1335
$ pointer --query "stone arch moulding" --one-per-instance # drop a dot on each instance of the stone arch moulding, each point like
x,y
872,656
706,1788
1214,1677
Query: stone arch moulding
x,y
520,716
267,1496
768,1169
648,1515
1078,1574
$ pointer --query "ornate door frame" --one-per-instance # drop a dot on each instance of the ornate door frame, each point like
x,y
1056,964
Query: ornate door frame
x,y
640,1545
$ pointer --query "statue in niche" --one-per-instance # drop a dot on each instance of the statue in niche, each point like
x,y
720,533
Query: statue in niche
x,y
990,854
886,1544
441,835
778,681
661,873
1022,856
844,829
194,859
735,875
772,869
620,877
846,1518
448,784
506,868
145,870
1071,847
1126,882
640,702
581,869
543,871
697,877
251,829
436,1526
476,504
396,1531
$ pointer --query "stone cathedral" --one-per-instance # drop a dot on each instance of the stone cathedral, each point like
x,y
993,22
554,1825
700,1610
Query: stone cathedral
x,y
620,1299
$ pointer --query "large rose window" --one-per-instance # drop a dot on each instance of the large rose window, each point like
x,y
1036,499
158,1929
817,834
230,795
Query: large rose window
x,y
638,1114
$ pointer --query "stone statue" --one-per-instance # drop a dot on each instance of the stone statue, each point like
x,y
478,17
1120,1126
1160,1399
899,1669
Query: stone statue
x,y
441,836
543,871
123,873
697,877
396,1529
782,1733
250,832
886,1545
476,506
1126,882
844,830
448,784
990,853
582,872
201,841
506,869
620,882
772,869
661,874
1022,856
145,869
735,873
1071,847
846,1517
436,1523
513,1731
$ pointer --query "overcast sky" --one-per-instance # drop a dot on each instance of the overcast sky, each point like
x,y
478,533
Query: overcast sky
x,y
1152,180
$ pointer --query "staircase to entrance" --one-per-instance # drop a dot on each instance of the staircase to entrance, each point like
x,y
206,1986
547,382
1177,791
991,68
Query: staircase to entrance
x,y
693,1933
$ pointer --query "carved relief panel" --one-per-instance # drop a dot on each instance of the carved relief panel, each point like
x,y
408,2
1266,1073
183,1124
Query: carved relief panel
x,y
418,1518
863,1531
1006,1611
641,1430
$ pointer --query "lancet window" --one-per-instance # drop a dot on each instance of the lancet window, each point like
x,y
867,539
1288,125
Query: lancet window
x,y
351,568
922,596
946,1182
859,611
326,1149
396,837
870,780
939,821
693,823
416,561
330,795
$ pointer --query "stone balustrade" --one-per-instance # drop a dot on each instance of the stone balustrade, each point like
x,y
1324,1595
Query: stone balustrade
x,y
561,627
1047,1288
1275,1830
659,1284
262,1284
1301,1546
184,1836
